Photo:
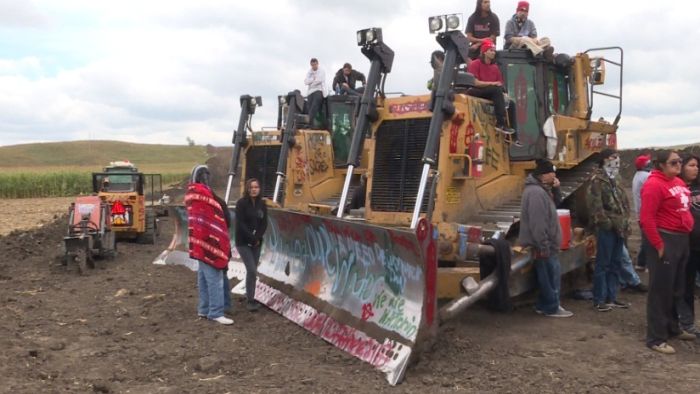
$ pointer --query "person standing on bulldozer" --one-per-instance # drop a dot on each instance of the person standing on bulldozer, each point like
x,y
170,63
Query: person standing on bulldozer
x,y
208,224
251,223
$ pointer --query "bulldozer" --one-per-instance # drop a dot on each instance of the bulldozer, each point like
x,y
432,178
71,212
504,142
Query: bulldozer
x,y
441,182
124,188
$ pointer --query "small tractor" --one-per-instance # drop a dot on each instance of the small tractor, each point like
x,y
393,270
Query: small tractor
x,y
122,186
90,233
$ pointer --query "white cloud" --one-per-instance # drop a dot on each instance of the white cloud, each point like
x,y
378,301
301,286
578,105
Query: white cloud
x,y
161,71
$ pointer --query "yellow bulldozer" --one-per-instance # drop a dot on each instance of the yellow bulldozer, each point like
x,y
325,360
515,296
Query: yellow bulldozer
x,y
441,181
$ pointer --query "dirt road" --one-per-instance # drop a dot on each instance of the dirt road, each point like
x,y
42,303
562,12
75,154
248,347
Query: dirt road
x,y
130,326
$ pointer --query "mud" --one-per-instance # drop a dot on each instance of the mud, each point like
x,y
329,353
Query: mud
x,y
130,326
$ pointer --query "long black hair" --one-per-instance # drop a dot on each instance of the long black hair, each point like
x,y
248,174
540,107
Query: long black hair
x,y
685,159
246,191
477,11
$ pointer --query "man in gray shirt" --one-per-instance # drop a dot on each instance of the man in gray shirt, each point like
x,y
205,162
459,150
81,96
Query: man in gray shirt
x,y
521,31
540,230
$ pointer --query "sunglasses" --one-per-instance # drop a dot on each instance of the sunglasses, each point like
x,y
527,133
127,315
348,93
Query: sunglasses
x,y
674,162
523,9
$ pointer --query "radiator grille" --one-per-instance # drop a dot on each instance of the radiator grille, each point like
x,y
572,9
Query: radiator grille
x,y
261,163
397,165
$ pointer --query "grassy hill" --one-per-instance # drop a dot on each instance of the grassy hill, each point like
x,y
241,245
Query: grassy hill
x,y
63,168
97,154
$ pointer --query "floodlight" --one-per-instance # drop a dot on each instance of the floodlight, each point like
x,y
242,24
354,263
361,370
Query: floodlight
x,y
452,22
371,36
435,23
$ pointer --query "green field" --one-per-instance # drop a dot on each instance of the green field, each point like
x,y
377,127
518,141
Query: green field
x,y
64,168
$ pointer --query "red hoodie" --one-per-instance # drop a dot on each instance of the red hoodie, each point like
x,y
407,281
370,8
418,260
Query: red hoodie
x,y
665,205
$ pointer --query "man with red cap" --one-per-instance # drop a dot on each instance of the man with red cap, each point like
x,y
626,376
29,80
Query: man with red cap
x,y
643,165
521,31
489,85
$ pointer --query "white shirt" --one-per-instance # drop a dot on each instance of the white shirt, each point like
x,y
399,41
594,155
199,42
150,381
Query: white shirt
x,y
315,80
637,182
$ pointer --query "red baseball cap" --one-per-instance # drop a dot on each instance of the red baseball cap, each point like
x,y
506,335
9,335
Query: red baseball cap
x,y
523,5
486,45
641,161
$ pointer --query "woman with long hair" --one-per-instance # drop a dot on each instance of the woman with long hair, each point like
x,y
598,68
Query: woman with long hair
x,y
251,223
482,24
686,307
666,221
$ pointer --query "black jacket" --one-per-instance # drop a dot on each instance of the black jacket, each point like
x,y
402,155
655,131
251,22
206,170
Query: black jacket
x,y
695,210
251,221
352,78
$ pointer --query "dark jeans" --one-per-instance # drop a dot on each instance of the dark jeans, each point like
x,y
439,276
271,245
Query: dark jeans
x,y
548,273
686,308
315,100
608,264
495,94
666,288
251,257
350,91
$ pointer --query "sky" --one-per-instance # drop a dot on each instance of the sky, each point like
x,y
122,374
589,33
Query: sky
x,y
164,71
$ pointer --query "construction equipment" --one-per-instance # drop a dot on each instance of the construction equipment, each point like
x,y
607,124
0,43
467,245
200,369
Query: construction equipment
x,y
442,181
124,188
90,233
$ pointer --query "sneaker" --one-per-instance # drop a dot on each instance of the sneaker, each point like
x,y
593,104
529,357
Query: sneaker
x,y
539,312
639,267
505,130
663,348
640,288
223,320
619,304
686,336
252,306
602,307
517,143
561,312
201,316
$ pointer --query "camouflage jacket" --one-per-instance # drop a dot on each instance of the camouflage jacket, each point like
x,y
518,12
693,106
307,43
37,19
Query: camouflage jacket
x,y
608,204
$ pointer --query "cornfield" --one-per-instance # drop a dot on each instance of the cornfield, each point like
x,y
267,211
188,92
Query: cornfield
x,y
57,184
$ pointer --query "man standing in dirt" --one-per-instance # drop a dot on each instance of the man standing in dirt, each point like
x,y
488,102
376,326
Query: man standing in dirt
x,y
208,223
609,208
540,230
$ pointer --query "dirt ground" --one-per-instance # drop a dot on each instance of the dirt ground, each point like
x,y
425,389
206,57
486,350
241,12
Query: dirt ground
x,y
130,326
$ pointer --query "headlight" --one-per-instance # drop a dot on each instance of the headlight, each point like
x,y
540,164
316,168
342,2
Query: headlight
x,y
369,36
435,23
452,22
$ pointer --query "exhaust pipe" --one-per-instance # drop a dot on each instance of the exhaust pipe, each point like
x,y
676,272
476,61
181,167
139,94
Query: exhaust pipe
x,y
484,287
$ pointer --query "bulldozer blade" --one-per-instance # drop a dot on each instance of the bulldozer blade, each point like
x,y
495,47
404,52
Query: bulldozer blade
x,y
366,289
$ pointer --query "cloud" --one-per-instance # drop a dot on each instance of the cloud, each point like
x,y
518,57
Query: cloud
x,y
21,14
176,69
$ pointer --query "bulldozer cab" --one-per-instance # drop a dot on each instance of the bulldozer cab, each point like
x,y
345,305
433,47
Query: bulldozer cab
x,y
542,88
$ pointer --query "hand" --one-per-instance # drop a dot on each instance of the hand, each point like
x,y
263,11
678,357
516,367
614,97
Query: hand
x,y
661,253
346,86
556,182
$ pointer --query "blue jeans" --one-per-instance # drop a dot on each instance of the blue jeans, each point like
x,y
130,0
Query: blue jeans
x,y
628,276
214,293
549,280
608,264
